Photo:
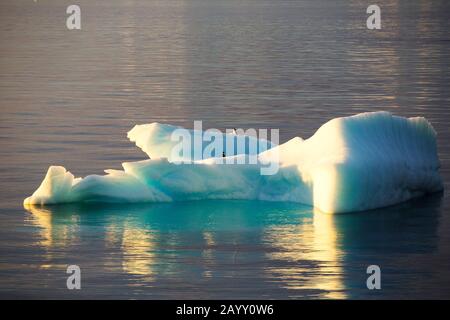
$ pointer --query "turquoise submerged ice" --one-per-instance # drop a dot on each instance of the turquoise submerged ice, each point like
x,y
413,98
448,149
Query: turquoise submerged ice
x,y
355,163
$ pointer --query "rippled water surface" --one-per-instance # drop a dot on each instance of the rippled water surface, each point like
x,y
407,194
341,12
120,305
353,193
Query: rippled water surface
x,y
69,97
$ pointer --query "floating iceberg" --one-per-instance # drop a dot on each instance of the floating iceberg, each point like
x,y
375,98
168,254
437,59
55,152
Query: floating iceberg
x,y
158,141
355,163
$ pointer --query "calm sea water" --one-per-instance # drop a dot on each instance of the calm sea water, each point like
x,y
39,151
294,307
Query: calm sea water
x,y
69,97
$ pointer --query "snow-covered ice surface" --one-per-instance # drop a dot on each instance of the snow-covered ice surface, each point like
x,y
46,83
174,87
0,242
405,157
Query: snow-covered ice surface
x,y
355,163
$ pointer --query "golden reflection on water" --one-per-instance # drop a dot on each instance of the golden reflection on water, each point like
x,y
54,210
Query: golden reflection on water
x,y
137,247
136,244
309,252
208,252
50,234
313,243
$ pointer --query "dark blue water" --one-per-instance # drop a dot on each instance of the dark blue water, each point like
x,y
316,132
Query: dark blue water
x,y
69,97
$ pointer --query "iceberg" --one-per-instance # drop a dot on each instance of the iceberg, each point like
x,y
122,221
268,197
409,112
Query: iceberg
x,y
158,141
355,163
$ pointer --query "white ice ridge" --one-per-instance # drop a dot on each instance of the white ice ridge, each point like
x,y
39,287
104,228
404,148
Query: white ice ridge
x,y
156,140
355,163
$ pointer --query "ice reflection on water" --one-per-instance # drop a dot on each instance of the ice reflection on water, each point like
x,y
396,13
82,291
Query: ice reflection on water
x,y
288,248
